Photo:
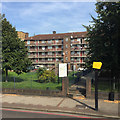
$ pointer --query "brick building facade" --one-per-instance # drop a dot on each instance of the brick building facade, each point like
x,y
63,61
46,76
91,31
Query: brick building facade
x,y
50,49
22,35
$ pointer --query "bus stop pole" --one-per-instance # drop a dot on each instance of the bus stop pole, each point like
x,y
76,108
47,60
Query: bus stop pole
x,y
96,90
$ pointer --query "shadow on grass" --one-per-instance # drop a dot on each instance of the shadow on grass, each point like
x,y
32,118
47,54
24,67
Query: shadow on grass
x,y
11,79
59,87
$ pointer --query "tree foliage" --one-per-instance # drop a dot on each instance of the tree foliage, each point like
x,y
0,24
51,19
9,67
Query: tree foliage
x,y
104,37
14,53
46,75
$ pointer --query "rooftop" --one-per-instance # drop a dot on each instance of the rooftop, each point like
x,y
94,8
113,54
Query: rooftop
x,y
56,36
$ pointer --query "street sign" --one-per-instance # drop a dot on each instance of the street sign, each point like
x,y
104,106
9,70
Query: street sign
x,y
97,65
62,69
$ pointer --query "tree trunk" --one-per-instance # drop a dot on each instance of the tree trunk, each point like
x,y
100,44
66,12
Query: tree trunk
x,y
6,75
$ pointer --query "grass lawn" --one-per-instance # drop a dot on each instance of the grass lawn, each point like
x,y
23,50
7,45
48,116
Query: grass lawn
x,y
28,81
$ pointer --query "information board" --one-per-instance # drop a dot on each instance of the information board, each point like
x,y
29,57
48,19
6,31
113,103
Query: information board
x,y
62,69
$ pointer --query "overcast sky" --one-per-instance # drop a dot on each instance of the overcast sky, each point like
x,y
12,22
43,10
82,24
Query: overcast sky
x,y
45,17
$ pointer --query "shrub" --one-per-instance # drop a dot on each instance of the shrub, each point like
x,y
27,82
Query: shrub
x,y
46,75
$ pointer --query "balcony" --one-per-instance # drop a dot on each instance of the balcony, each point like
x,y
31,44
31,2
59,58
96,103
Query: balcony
x,y
78,49
78,42
50,56
77,61
45,62
31,56
77,55
44,44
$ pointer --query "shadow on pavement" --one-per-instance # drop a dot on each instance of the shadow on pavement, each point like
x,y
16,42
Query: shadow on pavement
x,y
84,104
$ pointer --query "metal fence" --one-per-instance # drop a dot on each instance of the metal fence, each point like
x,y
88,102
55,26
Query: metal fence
x,y
107,84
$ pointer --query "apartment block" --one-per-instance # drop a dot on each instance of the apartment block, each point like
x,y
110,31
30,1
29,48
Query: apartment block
x,y
50,49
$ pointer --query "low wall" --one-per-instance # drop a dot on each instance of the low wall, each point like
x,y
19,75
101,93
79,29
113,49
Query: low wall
x,y
104,95
55,93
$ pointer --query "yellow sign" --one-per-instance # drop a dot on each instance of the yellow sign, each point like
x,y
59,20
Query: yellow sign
x,y
97,65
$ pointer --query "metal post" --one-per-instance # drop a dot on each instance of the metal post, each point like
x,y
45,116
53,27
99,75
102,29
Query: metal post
x,y
14,82
31,82
96,90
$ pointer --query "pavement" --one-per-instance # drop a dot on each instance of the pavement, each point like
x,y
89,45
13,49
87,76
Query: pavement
x,y
76,105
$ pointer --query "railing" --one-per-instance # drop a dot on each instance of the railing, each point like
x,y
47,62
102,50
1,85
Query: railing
x,y
78,42
77,61
78,55
46,50
78,49
44,44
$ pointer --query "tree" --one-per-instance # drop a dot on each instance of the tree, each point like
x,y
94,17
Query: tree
x,y
103,37
14,53
40,71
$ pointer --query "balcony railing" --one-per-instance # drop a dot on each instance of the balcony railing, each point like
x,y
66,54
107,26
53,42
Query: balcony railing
x,y
45,62
77,55
44,44
46,50
78,42
45,56
78,49
77,61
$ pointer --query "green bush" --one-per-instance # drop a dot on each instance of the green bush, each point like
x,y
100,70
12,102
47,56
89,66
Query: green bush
x,y
46,75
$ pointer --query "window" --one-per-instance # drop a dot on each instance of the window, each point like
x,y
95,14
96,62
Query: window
x,y
43,53
72,53
43,59
43,41
56,53
56,41
72,40
49,47
66,46
43,48
57,59
78,52
56,47
85,45
28,42
49,59
28,47
85,39
66,52
66,58
49,53
28,53
66,39
78,39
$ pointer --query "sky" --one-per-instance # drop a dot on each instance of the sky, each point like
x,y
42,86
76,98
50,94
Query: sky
x,y
45,17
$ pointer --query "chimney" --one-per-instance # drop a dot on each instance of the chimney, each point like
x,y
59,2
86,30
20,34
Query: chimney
x,y
54,32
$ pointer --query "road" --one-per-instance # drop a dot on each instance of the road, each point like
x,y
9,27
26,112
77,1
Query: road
x,y
18,113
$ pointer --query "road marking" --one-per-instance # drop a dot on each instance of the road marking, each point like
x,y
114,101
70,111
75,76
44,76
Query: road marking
x,y
11,95
115,101
80,97
59,114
